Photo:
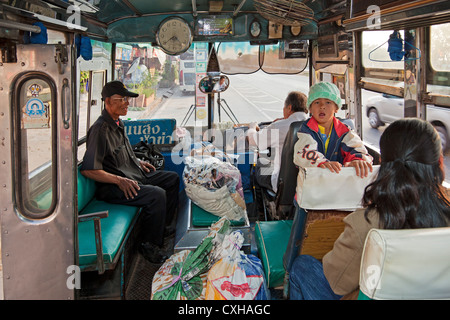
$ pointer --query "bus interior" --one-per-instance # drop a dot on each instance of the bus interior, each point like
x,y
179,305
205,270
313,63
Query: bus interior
x,y
57,55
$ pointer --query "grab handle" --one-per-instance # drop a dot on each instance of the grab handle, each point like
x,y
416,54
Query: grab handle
x,y
65,103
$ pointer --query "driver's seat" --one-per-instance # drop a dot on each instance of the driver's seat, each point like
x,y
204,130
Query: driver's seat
x,y
287,179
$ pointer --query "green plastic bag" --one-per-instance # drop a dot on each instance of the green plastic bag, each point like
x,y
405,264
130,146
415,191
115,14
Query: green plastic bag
x,y
185,279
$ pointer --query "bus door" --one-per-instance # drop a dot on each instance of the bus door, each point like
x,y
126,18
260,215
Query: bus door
x,y
37,173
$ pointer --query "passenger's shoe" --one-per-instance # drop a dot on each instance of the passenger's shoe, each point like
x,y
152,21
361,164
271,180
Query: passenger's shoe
x,y
152,253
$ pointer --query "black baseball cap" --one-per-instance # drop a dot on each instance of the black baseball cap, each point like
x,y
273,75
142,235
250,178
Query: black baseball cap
x,y
116,87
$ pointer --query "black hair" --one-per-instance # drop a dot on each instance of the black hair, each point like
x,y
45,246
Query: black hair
x,y
408,191
297,101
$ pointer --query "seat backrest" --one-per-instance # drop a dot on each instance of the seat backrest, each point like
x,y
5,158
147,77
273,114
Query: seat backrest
x,y
321,230
321,189
348,122
406,264
323,200
287,179
85,189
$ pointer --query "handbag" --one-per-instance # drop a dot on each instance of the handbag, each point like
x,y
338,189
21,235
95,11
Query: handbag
x,y
149,152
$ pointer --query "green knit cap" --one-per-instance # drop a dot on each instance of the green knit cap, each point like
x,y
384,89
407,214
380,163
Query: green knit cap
x,y
325,90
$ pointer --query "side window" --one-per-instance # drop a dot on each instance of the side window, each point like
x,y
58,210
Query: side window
x,y
96,97
91,84
34,109
440,47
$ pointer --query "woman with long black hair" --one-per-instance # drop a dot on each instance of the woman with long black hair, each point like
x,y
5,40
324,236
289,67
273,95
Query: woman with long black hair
x,y
406,194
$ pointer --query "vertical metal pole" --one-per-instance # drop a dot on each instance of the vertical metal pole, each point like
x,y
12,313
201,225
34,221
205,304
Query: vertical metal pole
x,y
412,76
210,98
210,110
354,83
421,42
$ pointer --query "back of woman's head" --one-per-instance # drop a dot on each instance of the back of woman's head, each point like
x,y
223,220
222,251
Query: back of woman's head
x,y
408,192
411,139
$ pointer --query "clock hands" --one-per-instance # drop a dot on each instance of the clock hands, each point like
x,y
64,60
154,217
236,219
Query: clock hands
x,y
174,38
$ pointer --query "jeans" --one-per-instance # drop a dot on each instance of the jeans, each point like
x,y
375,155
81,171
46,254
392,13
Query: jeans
x,y
307,280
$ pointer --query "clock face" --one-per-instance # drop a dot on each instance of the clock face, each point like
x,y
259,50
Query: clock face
x,y
174,36
255,29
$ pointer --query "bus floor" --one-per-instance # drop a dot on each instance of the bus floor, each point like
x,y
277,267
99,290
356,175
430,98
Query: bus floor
x,y
140,285
139,278
142,273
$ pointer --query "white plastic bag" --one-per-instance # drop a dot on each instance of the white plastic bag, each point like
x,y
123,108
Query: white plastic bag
x,y
235,276
215,186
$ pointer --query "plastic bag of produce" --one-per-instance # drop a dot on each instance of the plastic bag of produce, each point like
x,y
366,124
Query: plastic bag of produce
x,y
235,276
215,186
183,275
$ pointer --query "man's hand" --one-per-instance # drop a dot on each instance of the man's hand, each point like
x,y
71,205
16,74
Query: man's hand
x,y
128,186
334,166
147,166
362,167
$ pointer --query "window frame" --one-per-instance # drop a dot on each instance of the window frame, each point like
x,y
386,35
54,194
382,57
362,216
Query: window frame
x,y
23,194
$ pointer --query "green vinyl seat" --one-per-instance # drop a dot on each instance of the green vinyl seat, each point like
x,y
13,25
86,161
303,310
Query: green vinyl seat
x,y
202,218
116,223
272,238
114,229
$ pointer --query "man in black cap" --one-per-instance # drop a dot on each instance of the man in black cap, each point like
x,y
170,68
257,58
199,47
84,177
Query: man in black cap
x,y
124,179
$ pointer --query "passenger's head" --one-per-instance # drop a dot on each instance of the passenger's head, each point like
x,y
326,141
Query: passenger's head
x,y
116,97
324,100
408,192
294,102
412,141
116,88
324,90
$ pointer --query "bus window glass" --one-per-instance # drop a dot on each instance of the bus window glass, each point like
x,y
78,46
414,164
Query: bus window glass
x,y
374,43
258,97
379,109
35,140
96,103
272,61
171,82
440,60
187,71
36,124
92,78
84,88
238,57
440,47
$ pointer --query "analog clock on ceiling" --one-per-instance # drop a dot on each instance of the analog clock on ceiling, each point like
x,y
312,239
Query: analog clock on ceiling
x,y
174,36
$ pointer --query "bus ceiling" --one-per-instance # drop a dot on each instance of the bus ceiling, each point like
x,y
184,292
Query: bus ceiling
x,y
257,21
139,21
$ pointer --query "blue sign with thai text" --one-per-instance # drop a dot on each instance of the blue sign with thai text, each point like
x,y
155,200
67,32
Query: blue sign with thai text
x,y
156,131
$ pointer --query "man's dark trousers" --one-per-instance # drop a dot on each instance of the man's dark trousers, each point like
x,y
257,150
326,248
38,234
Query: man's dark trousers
x,y
157,196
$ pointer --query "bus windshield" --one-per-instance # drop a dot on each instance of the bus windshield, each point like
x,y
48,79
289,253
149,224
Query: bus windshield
x,y
169,85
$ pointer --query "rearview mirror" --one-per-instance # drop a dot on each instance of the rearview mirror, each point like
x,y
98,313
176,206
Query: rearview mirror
x,y
214,84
